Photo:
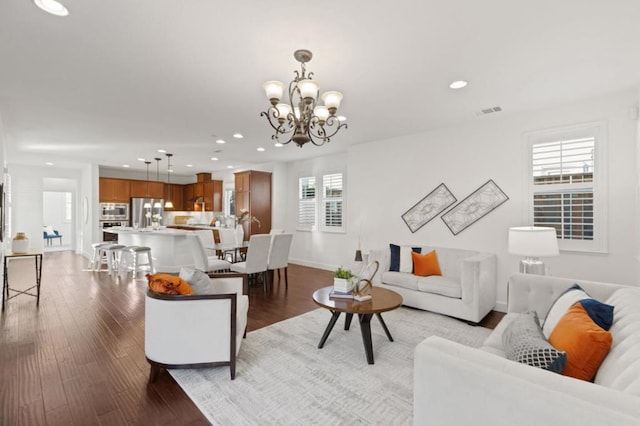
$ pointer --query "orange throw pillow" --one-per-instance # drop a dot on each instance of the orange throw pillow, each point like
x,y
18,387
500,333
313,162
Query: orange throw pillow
x,y
168,284
425,265
585,343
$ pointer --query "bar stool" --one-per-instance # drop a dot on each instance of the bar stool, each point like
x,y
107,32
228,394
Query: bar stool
x,y
96,260
112,253
141,260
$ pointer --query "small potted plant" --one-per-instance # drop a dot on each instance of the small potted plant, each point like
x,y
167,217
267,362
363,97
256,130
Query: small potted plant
x,y
342,280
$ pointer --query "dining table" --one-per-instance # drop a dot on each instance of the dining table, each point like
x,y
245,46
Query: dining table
x,y
237,250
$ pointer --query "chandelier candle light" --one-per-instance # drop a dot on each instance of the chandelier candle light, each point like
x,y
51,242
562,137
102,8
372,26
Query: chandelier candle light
x,y
302,120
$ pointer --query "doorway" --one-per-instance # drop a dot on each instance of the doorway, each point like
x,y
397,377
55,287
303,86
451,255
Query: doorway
x,y
57,215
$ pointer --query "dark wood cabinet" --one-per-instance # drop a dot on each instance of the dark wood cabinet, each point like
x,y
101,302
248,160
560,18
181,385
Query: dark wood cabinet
x,y
146,189
212,192
114,190
253,194
175,193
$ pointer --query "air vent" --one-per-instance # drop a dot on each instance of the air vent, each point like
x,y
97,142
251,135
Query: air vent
x,y
486,111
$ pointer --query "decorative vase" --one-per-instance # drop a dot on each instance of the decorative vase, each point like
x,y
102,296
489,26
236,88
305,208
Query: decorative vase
x,y
20,243
155,225
342,285
239,233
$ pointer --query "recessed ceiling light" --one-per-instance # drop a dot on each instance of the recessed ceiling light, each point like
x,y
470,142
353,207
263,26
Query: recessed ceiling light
x,y
261,149
458,84
342,118
52,7
48,164
125,165
229,167
214,158
238,135
277,145
189,165
162,151
220,141
140,159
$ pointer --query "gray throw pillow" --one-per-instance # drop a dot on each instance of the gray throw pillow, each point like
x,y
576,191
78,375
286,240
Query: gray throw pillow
x,y
198,280
524,342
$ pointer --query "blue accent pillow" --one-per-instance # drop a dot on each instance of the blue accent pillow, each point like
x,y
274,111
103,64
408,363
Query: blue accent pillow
x,y
600,313
394,263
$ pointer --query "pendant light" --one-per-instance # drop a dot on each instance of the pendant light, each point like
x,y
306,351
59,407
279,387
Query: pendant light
x,y
168,204
157,204
147,205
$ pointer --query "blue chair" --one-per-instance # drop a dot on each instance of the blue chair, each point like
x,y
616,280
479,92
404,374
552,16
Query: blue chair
x,y
48,237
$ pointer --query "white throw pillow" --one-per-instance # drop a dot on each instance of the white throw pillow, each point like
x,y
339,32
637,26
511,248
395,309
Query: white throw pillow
x,y
406,261
198,280
561,306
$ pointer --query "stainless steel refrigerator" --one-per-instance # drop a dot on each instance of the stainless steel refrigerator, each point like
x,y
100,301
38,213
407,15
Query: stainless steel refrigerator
x,y
144,209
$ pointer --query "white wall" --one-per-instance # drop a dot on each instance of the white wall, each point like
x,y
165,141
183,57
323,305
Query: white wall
x,y
387,177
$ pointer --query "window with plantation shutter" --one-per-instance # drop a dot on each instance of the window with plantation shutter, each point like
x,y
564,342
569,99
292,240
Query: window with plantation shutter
x,y
567,188
332,202
306,203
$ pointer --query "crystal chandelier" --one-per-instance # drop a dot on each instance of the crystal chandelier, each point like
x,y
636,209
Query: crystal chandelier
x,y
301,119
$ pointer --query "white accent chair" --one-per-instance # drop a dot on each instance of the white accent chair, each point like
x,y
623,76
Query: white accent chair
x,y
257,260
201,260
279,255
195,331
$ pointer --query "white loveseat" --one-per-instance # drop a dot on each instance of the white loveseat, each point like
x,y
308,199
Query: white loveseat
x,y
466,289
456,385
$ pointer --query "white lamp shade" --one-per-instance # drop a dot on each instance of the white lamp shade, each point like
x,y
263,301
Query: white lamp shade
x,y
332,99
157,205
273,89
308,88
322,112
147,205
283,110
533,241
168,205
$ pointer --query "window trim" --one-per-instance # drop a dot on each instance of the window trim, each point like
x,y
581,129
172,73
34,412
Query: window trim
x,y
306,226
320,205
599,131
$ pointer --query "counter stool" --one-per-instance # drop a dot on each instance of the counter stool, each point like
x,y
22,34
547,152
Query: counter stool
x,y
141,260
96,261
112,253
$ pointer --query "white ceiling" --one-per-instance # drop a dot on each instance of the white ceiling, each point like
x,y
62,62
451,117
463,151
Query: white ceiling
x,y
117,80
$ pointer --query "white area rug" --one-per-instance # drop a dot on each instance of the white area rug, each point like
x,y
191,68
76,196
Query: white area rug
x,y
284,379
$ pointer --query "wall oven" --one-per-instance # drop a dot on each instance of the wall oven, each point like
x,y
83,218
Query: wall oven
x,y
114,212
110,236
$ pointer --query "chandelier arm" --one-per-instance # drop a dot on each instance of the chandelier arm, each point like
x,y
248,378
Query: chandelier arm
x,y
271,112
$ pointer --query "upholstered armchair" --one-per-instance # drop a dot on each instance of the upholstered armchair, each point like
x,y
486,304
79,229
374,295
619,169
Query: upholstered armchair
x,y
199,330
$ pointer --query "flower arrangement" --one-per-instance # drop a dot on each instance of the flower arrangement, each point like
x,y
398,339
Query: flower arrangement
x,y
245,217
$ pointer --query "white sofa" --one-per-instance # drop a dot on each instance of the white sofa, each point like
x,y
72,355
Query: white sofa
x,y
466,289
457,385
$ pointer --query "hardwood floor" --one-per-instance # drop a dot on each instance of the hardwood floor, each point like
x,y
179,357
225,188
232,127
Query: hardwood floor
x,y
79,358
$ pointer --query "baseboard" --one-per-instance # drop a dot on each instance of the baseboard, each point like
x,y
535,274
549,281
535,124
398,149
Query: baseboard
x,y
313,264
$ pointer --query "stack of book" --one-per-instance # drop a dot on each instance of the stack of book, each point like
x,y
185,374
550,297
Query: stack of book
x,y
335,294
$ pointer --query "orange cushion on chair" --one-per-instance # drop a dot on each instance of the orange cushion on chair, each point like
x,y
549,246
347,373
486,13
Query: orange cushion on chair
x,y
585,343
168,284
425,265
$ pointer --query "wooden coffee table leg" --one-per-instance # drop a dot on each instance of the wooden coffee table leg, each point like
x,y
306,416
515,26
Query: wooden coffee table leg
x,y
347,321
384,326
365,329
327,331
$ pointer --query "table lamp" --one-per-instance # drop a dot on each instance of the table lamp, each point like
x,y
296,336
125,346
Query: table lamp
x,y
533,242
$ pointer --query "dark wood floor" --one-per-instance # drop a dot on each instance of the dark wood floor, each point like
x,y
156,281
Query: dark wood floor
x,y
79,358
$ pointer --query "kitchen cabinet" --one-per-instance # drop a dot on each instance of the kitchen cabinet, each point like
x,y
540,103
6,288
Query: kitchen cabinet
x,y
114,190
213,195
175,193
192,192
146,189
253,194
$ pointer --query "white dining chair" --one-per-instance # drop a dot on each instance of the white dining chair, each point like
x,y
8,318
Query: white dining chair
x,y
276,231
279,255
227,237
257,259
201,260
206,237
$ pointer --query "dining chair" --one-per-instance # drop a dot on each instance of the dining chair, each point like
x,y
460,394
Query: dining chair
x,y
206,237
279,255
227,236
257,259
201,260
276,231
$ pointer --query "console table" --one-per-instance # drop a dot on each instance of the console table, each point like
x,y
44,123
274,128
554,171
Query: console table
x,y
37,255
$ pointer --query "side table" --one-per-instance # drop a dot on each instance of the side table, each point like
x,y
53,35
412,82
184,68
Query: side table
x,y
37,255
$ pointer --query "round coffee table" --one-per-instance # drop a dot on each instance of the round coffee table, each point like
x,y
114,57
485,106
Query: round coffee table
x,y
382,300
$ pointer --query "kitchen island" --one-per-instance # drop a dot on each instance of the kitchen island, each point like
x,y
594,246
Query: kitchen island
x,y
170,248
